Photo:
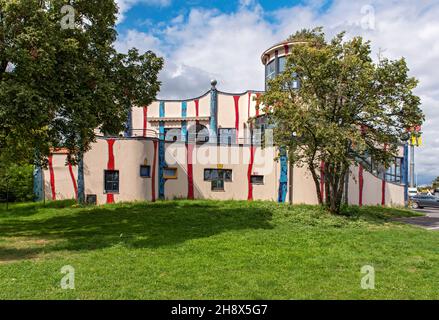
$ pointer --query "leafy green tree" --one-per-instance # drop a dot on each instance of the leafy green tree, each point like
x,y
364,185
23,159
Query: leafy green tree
x,y
16,183
59,84
346,109
435,184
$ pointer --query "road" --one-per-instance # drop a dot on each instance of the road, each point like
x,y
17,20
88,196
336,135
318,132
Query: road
x,y
430,221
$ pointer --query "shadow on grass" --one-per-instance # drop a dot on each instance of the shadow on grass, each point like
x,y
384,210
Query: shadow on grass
x,y
28,209
377,214
139,225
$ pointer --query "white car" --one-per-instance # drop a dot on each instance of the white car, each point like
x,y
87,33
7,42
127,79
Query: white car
x,y
412,192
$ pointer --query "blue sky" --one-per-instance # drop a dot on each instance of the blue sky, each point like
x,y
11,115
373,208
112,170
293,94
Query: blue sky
x,y
145,14
201,40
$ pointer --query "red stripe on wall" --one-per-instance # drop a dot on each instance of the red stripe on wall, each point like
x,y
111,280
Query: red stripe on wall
x,y
236,98
249,173
197,108
322,180
145,120
110,165
154,165
72,175
52,178
287,48
190,171
361,185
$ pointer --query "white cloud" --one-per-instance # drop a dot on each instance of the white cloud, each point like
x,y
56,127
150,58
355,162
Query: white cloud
x,y
207,43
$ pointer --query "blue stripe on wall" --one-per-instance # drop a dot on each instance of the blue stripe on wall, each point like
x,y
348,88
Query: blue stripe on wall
x,y
38,184
213,114
283,181
162,162
183,123
162,109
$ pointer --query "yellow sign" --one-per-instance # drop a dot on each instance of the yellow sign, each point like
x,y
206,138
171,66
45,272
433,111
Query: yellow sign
x,y
416,141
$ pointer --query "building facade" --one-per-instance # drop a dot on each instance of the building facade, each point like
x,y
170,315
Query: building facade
x,y
206,148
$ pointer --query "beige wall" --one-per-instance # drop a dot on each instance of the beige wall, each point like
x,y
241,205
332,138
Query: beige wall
x,y
129,154
63,183
226,112
304,190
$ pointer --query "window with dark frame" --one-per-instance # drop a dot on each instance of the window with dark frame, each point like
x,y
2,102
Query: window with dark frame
x,y
227,136
218,185
145,171
111,181
257,179
170,173
217,177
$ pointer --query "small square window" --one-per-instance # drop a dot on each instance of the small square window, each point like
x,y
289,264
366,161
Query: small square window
x,y
145,171
217,185
170,173
111,181
255,179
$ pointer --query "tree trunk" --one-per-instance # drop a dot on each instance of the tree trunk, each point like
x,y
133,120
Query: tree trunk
x,y
7,193
81,187
316,179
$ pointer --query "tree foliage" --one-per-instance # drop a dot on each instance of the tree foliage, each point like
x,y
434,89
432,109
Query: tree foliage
x,y
347,108
58,85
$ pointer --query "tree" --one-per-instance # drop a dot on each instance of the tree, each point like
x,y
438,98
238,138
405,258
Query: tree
x,y
346,110
59,84
435,184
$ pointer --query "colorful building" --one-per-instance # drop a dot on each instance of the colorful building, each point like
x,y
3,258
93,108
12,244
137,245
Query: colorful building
x,y
206,148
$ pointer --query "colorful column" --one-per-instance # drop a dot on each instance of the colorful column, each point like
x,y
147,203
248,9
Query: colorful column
x,y
162,163
38,184
213,112
184,122
283,181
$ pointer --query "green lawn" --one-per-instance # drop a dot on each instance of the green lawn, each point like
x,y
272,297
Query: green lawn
x,y
213,250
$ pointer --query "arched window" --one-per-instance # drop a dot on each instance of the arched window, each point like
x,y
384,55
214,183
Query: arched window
x,y
198,133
